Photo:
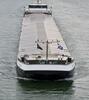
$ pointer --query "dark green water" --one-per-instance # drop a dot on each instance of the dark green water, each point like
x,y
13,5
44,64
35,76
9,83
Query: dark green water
x,y
72,18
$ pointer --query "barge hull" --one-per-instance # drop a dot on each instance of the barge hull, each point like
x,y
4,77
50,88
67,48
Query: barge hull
x,y
52,72
45,75
42,52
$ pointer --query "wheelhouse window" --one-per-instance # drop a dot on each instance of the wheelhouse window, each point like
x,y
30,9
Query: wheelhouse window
x,y
38,6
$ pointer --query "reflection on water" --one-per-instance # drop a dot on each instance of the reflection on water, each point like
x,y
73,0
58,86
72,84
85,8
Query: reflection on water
x,y
46,86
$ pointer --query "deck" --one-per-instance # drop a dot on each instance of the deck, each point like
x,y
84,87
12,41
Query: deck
x,y
40,27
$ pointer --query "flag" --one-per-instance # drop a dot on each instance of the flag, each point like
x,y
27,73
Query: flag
x,y
60,47
39,47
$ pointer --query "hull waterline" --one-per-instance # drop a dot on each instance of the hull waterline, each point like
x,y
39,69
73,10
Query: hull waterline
x,y
45,74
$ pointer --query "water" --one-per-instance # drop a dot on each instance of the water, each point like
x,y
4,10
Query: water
x,y
72,18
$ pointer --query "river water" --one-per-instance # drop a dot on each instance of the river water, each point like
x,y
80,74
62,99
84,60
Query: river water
x,y
72,18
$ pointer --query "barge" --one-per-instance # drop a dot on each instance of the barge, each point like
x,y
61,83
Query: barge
x,y
42,52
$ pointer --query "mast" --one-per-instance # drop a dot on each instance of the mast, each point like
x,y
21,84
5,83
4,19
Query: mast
x,y
47,45
47,50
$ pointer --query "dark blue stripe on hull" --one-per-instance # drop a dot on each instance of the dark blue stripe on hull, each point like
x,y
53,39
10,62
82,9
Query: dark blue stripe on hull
x,y
42,75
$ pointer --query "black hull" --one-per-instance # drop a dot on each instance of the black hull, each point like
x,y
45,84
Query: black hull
x,y
44,75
